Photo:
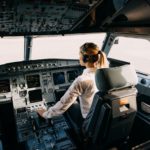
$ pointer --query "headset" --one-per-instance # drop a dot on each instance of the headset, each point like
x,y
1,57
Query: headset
x,y
88,58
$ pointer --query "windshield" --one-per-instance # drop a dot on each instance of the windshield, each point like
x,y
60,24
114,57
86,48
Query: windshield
x,y
133,50
11,49
66,47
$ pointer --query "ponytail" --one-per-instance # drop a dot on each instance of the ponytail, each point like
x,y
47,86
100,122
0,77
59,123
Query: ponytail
x,y
102,62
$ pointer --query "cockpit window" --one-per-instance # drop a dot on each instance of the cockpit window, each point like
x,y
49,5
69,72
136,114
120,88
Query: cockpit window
x,y
65,47
11,49
133,50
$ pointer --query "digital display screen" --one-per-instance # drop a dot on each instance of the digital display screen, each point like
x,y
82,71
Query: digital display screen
x,y
35,96
4,86
59,94
59,78
71,75
33,81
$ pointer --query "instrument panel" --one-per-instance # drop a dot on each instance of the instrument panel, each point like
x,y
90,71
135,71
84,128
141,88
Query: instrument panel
x,y
37,86
144,83
143,98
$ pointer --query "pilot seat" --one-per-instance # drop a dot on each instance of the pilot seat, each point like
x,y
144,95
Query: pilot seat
x,y
1,146
110,119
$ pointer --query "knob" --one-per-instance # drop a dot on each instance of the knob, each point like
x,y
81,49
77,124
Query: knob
x,y
143,81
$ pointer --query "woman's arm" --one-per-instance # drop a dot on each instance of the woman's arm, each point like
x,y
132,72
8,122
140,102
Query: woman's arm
x,y
65,102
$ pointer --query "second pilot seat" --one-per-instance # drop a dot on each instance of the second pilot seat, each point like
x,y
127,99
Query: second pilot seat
x,y
113,110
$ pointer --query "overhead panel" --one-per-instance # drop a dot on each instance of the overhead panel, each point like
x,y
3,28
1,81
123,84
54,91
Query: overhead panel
x,y
32,17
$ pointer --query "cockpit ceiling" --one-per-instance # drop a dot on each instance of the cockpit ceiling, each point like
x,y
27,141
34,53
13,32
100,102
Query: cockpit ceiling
x,y
29,17
47,17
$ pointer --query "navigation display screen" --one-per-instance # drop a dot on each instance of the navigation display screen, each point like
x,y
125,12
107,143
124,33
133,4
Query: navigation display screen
x,y
35,96
33,81
59,78
4,86
71,75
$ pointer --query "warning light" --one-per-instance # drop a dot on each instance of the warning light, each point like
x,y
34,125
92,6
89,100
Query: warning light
x,y
123,102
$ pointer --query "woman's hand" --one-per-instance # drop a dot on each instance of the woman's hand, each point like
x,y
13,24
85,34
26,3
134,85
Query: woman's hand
x,y
41,111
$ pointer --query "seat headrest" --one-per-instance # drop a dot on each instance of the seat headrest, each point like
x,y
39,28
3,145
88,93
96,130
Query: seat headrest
x,y
108,79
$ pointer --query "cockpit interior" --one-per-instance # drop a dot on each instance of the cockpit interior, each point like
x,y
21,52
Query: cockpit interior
x,y
119,117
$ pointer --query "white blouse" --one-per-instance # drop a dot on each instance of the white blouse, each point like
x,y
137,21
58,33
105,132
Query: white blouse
x,y
83,87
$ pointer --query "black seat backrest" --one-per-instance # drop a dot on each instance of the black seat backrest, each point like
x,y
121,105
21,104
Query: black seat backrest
x,y
1,146
114,107
7,124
